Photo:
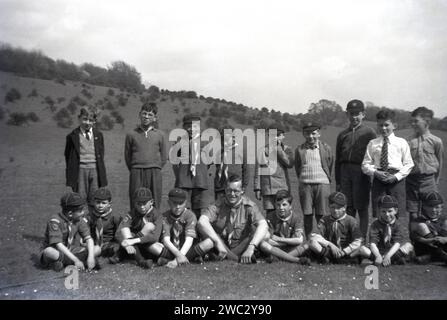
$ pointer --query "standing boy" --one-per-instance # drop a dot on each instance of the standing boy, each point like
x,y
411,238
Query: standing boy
x,y
350,150
386,241
62,229
84,155
267,185
339,237
313,165
191,174
427,153
388,161
145,154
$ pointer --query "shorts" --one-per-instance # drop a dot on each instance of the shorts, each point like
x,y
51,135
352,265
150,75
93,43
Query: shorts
x,y
109,249
80,253
200,198
314,198
416,185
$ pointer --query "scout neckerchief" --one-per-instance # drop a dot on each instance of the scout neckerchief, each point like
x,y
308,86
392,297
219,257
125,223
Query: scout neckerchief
x,y
310,146
99,225
283,229
70,230
335,230
139,221
146,132
388,231
231,218
176,229
431,224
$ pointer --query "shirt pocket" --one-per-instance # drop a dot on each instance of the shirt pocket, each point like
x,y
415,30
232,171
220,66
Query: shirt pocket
x,y
429,149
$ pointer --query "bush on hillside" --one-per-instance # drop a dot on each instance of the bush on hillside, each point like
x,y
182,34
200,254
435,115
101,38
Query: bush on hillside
x,y
60,81
63,118
60,99
2,113
122,101
79,101
12,95
118,117
187,110
110,92
86,93
105,123
32,116
72,107
17,119
33,93
48,100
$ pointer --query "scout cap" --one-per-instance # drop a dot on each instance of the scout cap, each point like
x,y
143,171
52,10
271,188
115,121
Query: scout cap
x,y
337,198
102,194
177,195
72,200
432,199
387,201
142,194
311,125
355,106
279,128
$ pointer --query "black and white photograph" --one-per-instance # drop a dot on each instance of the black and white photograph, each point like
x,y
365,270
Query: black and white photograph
x,y
232,152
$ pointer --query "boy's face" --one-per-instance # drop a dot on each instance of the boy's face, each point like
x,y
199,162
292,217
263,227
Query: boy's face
x,y
280,137
283,208
193,128
147,118
387,214
432,212
77,214
177,208
102,206
419,124
234,192
385,127
355,117
337,211
312,136
86,122
143,207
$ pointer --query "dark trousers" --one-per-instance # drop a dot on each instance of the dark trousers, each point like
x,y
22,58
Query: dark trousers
x,y
396,190
147,178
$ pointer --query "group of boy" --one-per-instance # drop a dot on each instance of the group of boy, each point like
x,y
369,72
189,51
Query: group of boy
x,y
229,224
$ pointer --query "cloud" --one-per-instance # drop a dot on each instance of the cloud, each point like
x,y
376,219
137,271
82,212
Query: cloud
x,y
279,54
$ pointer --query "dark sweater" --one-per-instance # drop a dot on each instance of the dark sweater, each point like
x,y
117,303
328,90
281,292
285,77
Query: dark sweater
x,y
145,152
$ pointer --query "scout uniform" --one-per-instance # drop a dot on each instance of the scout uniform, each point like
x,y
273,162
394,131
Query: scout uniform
x,y
234,224
104,226
350,150
136,222
60,229
285,228
178,228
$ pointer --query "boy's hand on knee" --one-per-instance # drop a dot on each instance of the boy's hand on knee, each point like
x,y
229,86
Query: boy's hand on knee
x,y
378,261
386,261
130,249
91,263
181,260
222,251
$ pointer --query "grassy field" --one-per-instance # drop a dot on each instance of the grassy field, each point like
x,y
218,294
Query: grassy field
x,y
32,181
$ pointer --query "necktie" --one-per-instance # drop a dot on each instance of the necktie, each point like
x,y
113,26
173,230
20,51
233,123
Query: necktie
x,y
175,233
384,155
194,157
87,135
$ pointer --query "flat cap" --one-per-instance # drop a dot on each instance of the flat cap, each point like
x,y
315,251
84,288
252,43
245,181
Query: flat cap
x,y
72,199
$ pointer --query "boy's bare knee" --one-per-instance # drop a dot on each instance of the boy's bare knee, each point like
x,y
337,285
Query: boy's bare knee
x,y
51,253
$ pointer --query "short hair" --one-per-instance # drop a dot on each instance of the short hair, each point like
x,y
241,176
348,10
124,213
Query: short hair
x,y
149,107
283,195
88,111
386,114
225,127
423,112
234,178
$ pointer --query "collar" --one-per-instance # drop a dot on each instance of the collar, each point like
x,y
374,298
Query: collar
x,y
84,132
146,131
390,137
235,206
64,217
312,147
425,135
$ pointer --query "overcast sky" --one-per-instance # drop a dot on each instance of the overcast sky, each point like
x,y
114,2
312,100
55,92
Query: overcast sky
x,y
276,54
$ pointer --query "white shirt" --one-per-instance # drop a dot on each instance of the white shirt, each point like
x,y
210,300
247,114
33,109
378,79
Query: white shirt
x,y
399,156
84,133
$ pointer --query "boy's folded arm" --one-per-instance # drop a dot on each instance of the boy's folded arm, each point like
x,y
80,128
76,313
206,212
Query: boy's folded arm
x,y
61,247
354,245
152,236
393,250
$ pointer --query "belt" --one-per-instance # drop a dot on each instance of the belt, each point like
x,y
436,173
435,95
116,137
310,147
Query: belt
x,y
392,171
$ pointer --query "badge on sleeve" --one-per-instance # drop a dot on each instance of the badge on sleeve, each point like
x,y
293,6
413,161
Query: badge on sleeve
x,y
54,226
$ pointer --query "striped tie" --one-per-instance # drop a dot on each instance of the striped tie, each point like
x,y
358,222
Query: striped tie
x,y
384,155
